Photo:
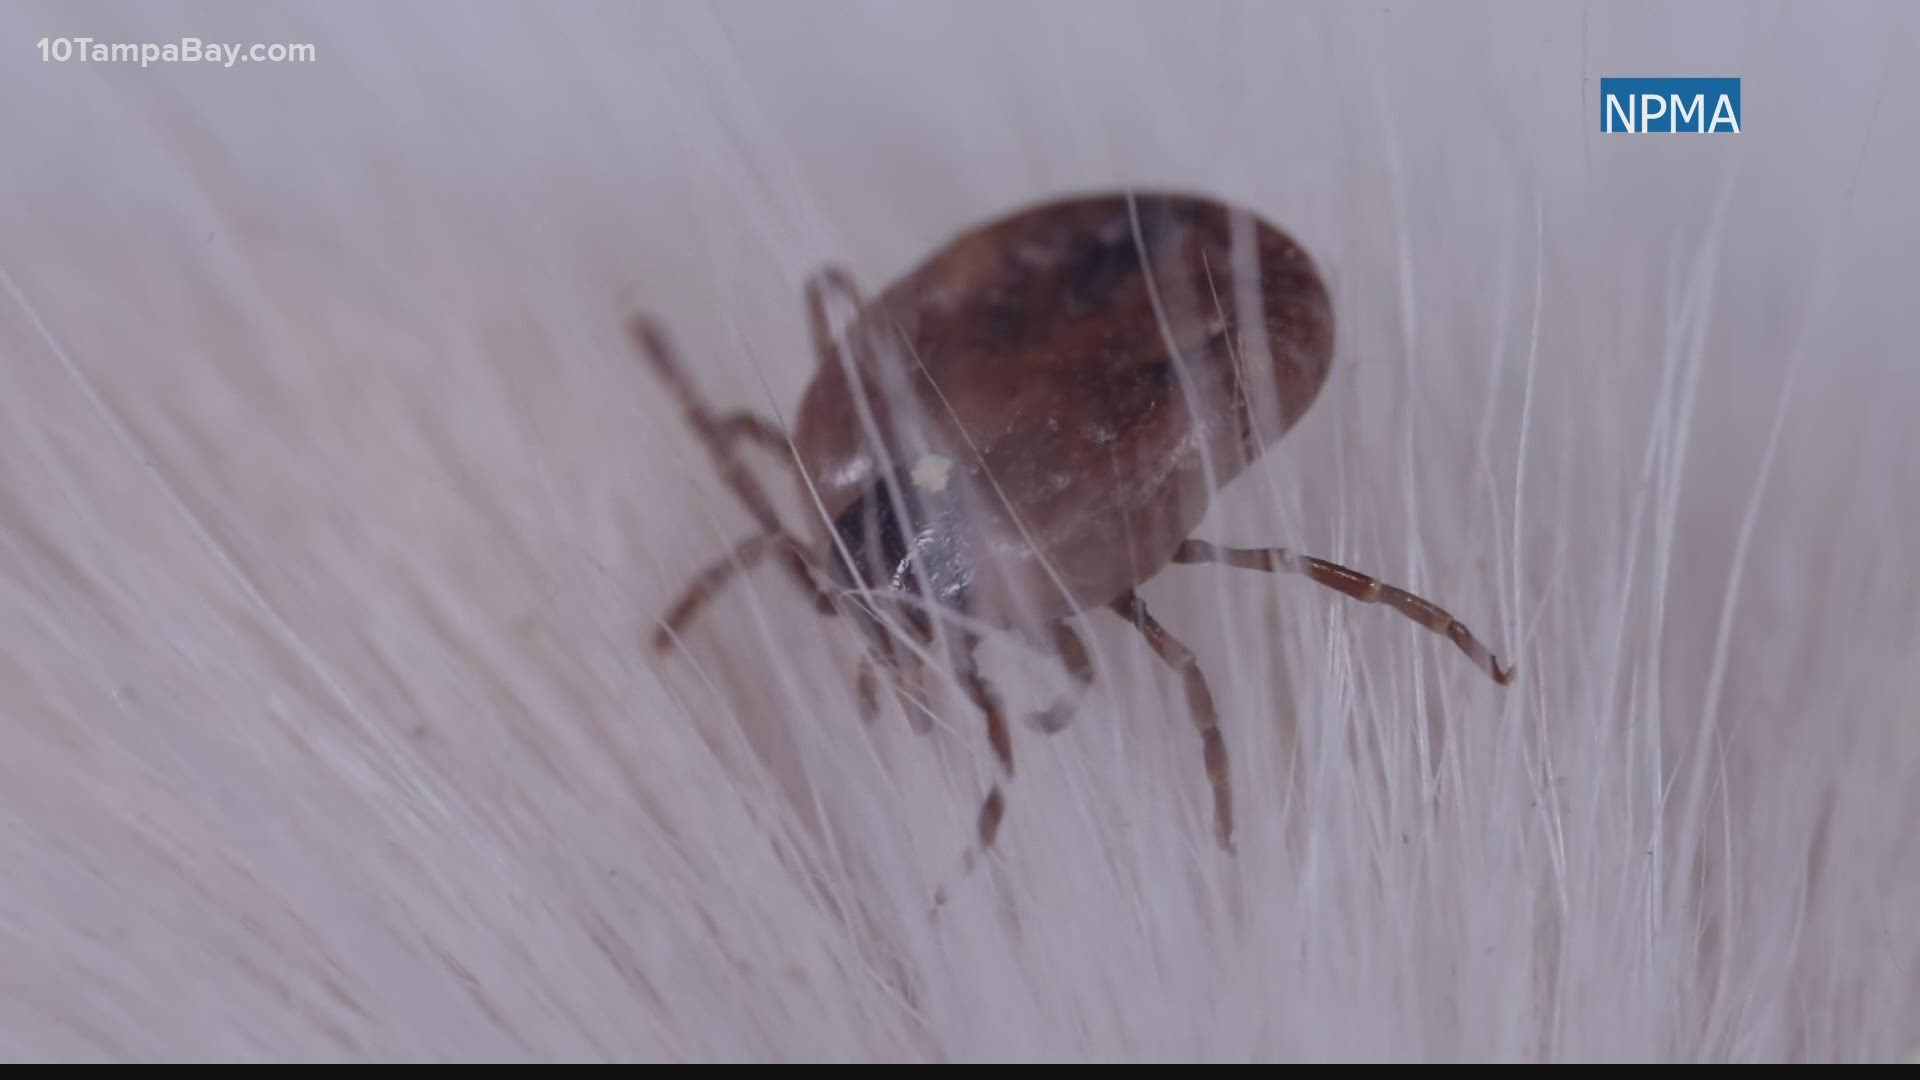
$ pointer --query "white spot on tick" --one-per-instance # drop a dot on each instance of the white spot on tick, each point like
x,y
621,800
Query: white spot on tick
x,y
930,473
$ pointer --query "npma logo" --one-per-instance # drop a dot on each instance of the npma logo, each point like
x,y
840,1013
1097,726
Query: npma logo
x,y
1670,106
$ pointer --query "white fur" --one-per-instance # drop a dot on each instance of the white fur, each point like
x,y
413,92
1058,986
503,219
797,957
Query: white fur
x,y
335,512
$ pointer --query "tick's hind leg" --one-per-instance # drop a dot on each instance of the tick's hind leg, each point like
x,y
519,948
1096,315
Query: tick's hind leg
x,y
1356,585
745,556
1199,703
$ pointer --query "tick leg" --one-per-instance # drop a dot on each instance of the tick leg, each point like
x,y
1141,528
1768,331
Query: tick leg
x,y
1199,703
994,807
967,670
721,434
1071,650
745,556
1356,585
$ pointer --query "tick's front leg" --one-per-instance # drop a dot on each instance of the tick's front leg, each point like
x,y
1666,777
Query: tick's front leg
x,y
722,436
721,433
748,554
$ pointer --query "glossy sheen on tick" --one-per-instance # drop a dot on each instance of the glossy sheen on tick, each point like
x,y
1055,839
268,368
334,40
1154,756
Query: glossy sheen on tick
x,y
1027,426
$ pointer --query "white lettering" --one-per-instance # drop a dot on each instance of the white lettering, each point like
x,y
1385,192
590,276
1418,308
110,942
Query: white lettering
x,y
1699,110
1652,107
1723,113
189,49
1622,108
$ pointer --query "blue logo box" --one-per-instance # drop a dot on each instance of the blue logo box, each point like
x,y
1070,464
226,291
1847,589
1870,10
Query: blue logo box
x,y
1670,106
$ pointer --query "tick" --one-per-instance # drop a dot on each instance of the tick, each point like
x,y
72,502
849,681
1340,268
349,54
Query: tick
x,y
1028,426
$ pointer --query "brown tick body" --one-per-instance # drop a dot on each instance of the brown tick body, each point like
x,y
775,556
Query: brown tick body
x,y
1032,423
